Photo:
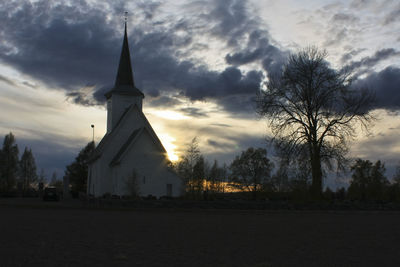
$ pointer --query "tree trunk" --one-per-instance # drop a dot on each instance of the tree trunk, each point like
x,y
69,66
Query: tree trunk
x,y
316,170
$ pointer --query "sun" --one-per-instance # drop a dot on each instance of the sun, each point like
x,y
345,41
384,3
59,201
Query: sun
x,y
172,156
168,142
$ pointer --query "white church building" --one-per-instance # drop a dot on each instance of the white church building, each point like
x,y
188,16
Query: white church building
x,y
130,148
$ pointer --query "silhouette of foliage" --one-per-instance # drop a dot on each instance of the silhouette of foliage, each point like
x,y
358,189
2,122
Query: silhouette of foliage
x,y
198,175
251,171
27,169
368,181
8,163
216,178
313,110
186,167
77,171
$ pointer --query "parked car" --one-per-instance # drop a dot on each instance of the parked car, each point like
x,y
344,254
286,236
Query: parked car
x,y
50,193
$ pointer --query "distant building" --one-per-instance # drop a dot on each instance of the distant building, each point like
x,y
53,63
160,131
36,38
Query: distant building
x,y
130,157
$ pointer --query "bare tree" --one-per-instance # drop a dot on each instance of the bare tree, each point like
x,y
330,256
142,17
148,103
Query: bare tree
x,y
313,110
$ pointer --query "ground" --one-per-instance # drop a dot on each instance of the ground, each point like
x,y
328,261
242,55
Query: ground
x,y
55,234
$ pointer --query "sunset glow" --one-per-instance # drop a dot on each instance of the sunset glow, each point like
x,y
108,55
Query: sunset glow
x,y
168,143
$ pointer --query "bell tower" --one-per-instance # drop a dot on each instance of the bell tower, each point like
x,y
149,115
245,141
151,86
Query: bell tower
x,y
124,93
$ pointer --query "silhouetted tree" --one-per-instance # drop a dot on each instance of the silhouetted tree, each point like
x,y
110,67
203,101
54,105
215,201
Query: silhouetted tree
x,y
368,180
340,194
394,190
185,166
251,170
27,169
396,177
77,171
199,176
216,178
312,110
8,163
280,180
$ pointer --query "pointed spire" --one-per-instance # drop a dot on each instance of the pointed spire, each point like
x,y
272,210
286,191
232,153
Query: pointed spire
x,y
125,76
124,83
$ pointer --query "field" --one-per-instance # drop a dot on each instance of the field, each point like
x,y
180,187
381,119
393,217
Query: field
x,y
56,234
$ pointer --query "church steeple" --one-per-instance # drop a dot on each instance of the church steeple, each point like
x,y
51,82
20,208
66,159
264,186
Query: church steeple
x,y
124,75
124,82
124,94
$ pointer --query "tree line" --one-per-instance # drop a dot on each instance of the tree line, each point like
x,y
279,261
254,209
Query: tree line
x,y
19,174
252,175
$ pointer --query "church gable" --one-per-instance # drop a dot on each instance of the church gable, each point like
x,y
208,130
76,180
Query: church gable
x,y
140,142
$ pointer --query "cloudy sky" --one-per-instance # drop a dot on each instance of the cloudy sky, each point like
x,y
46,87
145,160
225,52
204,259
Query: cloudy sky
x,y
199,64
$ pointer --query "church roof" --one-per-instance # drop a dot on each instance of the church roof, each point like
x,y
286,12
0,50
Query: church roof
x,y
124,82
107,139
125,146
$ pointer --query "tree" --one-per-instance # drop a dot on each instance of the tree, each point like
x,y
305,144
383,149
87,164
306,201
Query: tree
x,y
27,169
8,163
368,181
185,167
198,177
77,171
312,110
251,170
216,177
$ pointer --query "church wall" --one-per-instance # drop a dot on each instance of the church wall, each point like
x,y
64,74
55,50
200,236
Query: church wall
x,y
152,173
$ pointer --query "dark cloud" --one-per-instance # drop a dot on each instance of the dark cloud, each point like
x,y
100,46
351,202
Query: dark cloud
x,y
221,125
164,101
239,106
258,49
369,62
386,85
349,55
231,20
68,47
219,145
64,46
194,112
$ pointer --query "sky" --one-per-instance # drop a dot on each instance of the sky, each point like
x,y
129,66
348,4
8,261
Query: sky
x,y
199,63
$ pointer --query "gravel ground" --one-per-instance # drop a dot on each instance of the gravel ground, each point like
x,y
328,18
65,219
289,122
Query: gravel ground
x,y
66,234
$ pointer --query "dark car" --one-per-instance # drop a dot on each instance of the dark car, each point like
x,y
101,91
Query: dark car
x,y
50,193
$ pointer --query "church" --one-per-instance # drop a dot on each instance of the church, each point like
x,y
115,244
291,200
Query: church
x,y
130,159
